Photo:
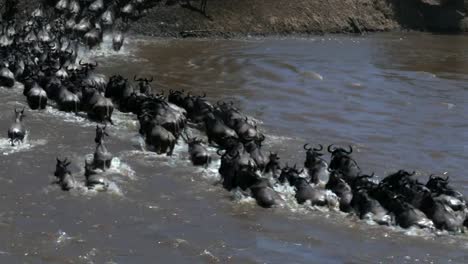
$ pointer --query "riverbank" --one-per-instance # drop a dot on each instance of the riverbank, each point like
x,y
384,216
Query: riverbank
x,y
246,17
227,18
276,17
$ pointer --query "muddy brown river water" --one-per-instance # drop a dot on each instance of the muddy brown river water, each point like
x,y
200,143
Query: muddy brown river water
x,y
399,99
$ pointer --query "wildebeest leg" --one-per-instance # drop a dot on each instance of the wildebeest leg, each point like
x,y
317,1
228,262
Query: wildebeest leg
x,y
108,118
203,7
108,164
171,150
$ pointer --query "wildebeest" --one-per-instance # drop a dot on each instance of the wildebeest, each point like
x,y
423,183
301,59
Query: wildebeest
x,y
273,166
199,155
7,78
102,157
64,177
117,41
93,178
36,96
341,188
17,131
97,106
314,163
341,160
144,84
264,193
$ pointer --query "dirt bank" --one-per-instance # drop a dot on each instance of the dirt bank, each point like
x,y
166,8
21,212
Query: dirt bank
x,y
265,17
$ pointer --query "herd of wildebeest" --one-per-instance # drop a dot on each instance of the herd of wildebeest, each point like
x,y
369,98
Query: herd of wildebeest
x,y
41,52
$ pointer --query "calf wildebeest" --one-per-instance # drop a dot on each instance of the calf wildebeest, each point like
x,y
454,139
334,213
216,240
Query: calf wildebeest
x,y
17,131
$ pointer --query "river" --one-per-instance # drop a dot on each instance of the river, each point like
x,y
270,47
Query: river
x,y
398,99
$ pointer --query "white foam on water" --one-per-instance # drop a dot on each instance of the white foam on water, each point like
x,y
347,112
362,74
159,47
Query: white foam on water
x,y
241,198
105,50
6,148
62,237
69,117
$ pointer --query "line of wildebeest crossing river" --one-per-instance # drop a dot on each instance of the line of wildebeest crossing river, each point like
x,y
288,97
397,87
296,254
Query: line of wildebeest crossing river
x,y
41,53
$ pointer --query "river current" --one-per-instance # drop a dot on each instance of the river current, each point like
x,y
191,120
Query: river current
x,y
399,99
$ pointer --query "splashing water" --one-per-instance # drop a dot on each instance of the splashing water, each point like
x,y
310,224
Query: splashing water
x,y
6,148
105,50
68,117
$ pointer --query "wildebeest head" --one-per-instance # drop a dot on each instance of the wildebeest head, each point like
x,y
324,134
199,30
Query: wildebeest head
x,y
313,155
19,115
337,152
143,84
176,97
364,181
291,174
398,179
341,160
88,66
61,168
439,185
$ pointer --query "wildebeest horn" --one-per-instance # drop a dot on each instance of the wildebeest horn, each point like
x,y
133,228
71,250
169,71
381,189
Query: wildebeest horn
x,y
350,150
307,148
319,149
218,152
330,148
81,63
137,80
